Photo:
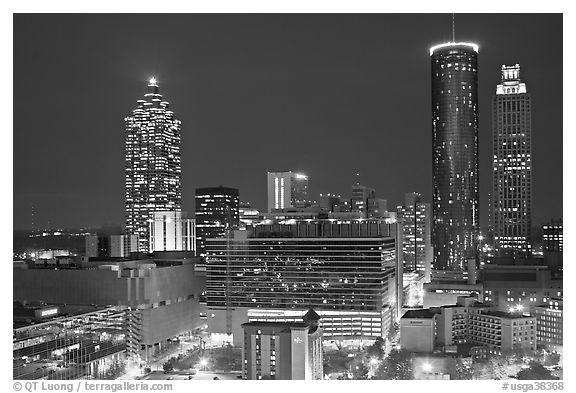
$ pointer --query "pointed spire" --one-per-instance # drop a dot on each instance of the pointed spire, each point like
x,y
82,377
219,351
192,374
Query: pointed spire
x,y
453,30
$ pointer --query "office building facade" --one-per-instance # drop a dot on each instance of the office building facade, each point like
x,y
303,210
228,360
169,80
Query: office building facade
x,y
152,165
171,231
110,246
283,350
521,288
286,190
552,236
549,324
360,196
417,240
346,271
455,210
217,214
512,165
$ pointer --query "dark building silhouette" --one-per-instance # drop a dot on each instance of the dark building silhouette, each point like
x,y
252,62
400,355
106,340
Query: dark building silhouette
x,y
217,211
455,153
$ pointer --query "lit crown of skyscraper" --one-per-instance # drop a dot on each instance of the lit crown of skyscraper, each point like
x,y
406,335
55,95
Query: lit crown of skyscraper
x,y
449,44
511,83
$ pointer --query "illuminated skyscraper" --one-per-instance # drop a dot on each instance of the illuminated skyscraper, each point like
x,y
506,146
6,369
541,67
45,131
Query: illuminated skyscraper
x,y
455,153
512,174
153,168
287,189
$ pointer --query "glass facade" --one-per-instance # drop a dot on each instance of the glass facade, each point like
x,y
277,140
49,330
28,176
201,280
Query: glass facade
x,y
152,164
454,69
512,166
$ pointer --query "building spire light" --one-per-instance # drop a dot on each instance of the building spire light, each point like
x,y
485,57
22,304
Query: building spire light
x,y
152,81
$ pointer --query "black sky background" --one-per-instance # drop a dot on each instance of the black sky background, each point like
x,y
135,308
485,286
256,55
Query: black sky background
x,y
330,95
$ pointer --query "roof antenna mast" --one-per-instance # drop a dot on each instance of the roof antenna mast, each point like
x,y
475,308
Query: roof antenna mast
x,y
453,30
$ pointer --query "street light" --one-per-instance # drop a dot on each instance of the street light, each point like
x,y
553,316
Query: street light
x,y
204,363
427,367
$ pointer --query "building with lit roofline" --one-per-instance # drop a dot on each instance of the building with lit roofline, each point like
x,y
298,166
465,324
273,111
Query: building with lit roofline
x,y
287,189
454,69
152,164
512,166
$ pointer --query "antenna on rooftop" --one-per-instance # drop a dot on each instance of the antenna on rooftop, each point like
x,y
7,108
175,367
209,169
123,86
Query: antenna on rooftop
x,y
453,30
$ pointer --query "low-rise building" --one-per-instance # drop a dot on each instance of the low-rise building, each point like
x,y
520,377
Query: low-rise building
x,y
81,345
283,350
549,324
470,324
161,297
418,330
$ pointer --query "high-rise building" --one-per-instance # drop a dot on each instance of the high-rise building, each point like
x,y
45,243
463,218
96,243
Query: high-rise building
x,y
512,166
360,196
217,211
171,231
552,236
416,220
376,208
287,189
454,69
283,350
346,270
153,168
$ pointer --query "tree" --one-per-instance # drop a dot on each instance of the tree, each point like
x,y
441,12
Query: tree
x,y
535,371
168,367
393,332
360,371
398,365
552,359
377,349
459,368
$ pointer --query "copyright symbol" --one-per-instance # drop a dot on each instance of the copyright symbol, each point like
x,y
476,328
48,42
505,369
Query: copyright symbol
x,y
17,386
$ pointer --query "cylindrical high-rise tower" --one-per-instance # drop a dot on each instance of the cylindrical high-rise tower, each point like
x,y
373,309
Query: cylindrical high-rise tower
x,y
455,153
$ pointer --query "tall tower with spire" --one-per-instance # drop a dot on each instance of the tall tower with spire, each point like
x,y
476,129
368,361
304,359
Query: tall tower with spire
x,y
454,67
152,165
512,165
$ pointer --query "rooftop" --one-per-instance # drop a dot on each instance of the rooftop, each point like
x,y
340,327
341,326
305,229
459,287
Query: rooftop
x,y
419,314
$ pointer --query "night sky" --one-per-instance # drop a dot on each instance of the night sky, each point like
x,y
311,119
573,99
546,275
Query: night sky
x,y
330,95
